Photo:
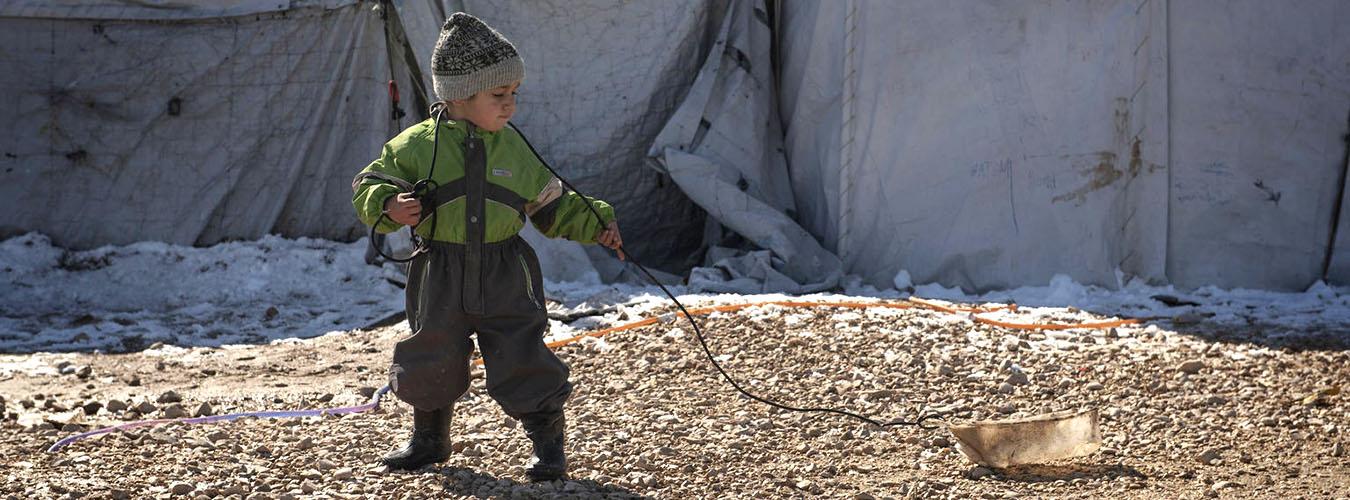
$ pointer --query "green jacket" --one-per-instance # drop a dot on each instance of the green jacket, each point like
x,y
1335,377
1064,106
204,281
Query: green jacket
x,y
518,187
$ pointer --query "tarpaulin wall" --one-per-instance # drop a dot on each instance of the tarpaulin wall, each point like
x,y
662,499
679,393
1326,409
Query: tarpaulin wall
x,y
984,144
185,127
1260,94
276,105
994,144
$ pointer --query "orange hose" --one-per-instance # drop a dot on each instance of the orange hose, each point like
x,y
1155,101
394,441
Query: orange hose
x,y
912,301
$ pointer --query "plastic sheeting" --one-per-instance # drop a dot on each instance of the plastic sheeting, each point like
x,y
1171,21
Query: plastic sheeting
x,y
125,10
984,145
723,146
981,144
238,128
995,144
1260,95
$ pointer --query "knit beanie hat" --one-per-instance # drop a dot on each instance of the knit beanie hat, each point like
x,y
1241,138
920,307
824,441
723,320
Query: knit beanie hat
x,y
471,57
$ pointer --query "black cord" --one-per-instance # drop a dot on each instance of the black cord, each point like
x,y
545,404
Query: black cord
x,y
420,189
698,333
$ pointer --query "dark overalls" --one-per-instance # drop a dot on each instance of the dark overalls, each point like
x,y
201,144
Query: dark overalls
x,y
492,289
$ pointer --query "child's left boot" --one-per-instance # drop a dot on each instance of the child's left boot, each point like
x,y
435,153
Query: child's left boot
x,y
429,444
546,432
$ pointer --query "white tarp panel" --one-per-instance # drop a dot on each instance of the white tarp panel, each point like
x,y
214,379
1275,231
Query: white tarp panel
x,y
1339,261
126,10
601,79
995,144
189,131
724,147
980,144
1260,92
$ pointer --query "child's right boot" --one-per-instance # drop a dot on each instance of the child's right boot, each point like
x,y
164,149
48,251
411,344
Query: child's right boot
x,y
430,441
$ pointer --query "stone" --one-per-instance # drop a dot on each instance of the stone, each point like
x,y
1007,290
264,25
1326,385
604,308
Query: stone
x,y
1094,386
90,408
145,408
1191,366
1209,457
343,474
182,488
84,372
1018,377
979,472
169,397
204,410
174,411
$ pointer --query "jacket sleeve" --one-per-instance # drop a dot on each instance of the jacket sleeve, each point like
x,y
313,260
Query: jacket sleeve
x,y
377,182
560,213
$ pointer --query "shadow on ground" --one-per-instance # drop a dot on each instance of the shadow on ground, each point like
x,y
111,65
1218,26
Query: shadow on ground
x,y
469,482
1047,473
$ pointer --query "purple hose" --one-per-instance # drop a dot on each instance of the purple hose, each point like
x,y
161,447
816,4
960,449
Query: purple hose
x,y
374,403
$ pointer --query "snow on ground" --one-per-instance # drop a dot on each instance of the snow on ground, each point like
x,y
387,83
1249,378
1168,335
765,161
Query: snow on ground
x,y
125,298
121,298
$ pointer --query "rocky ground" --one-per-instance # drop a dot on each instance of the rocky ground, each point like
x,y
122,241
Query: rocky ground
x,y
1187,411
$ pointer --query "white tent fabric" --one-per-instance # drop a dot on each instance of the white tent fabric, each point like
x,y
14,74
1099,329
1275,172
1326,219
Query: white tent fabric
x,y
125,10
1260,93
975,143
189,131
995,144
1339,266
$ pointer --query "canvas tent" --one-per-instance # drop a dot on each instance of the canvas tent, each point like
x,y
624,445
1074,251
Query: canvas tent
x,y
776,146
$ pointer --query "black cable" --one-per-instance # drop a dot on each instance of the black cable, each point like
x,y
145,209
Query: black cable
x,y
698,333
420,189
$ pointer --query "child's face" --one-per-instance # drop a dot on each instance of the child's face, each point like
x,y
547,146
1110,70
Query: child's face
x,y
491,108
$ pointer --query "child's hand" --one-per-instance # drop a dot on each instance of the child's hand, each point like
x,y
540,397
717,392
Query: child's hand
x,y
403,209
611,239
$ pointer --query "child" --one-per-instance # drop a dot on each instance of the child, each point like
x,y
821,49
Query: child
x,y
477,275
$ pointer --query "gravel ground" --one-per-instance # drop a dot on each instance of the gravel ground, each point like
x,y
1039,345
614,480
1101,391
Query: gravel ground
x,y
1187,411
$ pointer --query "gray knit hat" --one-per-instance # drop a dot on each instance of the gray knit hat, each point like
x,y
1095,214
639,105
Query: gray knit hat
x,y
471,57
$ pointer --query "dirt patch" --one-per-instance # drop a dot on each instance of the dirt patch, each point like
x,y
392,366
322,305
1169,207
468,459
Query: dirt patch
x,y
1183,416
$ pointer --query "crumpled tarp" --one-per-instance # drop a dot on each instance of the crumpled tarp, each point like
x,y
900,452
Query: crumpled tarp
x,y
724,148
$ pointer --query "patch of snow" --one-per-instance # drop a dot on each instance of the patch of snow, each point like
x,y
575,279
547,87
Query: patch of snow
x,y
119,298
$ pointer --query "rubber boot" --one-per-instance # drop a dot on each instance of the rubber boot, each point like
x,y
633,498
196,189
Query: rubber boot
x,y
430,441
550,460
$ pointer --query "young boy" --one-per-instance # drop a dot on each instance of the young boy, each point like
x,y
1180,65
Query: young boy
x,y
477,275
